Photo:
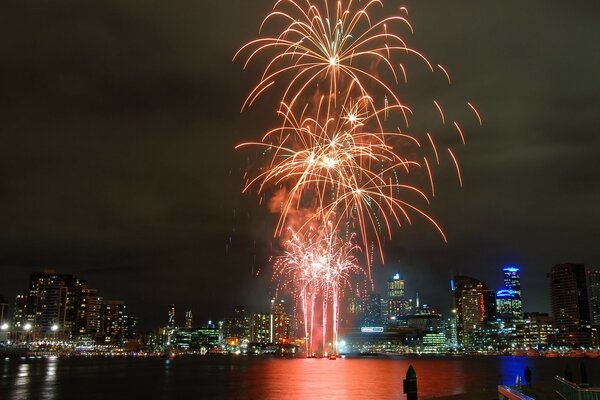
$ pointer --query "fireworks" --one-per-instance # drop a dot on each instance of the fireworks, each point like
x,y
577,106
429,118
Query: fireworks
x,y
317,267
338,162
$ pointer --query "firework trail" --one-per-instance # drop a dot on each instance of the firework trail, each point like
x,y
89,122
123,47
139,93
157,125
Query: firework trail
x,y
344,171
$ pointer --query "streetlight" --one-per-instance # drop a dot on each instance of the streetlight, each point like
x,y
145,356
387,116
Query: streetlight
x,y
4,326
27,328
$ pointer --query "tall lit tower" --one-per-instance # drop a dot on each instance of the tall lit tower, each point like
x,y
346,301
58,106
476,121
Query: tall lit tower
x,y
475,305
570,305
171,324
395,293
508,300
594,284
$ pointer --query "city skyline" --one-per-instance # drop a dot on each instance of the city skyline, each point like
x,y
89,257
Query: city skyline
x,y
111,168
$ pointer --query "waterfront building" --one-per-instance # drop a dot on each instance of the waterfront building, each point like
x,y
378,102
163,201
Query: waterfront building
x,y
260,328
239,328
594,291
20,311
112,327
89,312
475,306
570,305
434,342
535,331
279,323
51,303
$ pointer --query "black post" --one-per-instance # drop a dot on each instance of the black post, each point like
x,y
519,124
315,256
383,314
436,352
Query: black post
x,y
410,384
583,372
569,374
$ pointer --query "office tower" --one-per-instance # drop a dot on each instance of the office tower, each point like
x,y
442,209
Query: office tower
x,y
475,305
508,300
279,323
89,311
594,290
20,311
260,327
188,319
570,305
397,304
113,321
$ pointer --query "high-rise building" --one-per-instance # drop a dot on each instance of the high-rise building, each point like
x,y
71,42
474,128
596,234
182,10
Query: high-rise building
x,y
512,279
594,290
113,320
372,315
570,305
279,323
188,319
475,305
89,311
397,304
508,300
238,323
260,328
20,311
52,302
171,324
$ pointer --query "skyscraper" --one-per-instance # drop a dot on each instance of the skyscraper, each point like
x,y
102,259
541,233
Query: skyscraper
x,y
508,300
570,305
397,304
594,290
260,327
280,322
475,305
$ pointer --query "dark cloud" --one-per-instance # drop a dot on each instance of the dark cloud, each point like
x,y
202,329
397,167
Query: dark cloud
x,y
118,122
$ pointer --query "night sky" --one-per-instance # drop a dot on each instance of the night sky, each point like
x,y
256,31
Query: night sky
x,y
118,123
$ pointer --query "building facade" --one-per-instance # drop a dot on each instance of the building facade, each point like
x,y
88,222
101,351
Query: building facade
x,y
570,305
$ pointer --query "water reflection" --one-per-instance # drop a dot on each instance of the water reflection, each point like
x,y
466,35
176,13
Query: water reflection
x,y
49,392
21,387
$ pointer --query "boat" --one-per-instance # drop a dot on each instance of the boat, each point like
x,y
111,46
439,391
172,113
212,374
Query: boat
x,y
332,357
592,354
551,354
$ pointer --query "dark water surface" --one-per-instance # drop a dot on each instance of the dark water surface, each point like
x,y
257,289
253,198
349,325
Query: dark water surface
x,y
251,377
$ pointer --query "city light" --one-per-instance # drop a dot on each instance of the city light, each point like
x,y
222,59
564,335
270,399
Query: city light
x,y
54,328
27,326
4,326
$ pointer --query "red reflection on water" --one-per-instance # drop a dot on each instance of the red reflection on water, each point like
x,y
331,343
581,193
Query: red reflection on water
x,y
355,378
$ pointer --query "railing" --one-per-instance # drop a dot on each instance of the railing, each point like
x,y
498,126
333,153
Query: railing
x,y
506,393
566,390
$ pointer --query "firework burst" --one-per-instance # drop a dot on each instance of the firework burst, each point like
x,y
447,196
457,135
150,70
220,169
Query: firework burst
x,y
317,267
